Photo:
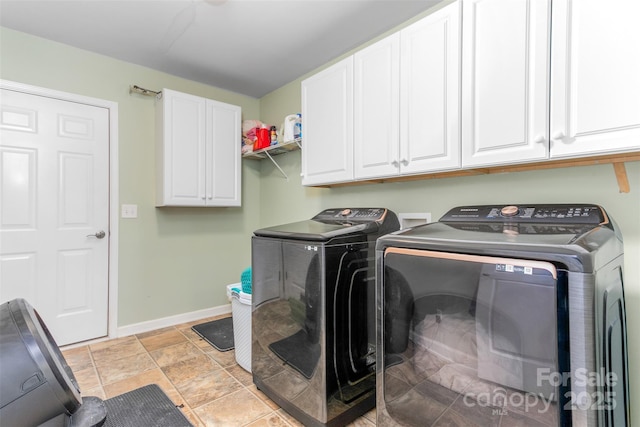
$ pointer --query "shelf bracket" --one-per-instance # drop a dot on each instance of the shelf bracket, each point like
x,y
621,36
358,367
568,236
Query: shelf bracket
x,y
278,166
621,176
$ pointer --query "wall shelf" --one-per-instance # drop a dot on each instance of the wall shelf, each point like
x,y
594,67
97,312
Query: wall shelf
x,y
274,150
617,160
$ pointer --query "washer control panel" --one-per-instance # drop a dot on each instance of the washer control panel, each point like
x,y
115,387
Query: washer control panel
x,y
552,214
351,214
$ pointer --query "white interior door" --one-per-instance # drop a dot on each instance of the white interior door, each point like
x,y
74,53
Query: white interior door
x,y
54,213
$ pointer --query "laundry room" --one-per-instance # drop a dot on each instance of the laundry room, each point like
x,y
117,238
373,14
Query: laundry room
x,y
170,264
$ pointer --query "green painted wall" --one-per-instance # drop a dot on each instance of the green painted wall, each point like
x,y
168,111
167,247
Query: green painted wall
x,y
171,260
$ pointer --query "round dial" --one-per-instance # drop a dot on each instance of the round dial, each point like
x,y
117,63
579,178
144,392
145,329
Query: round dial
x,y
509,210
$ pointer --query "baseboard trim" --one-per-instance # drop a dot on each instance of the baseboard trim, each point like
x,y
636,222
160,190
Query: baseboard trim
x,y
150,325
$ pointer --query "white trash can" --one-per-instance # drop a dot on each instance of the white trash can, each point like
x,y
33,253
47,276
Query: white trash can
x,y
230,288
241,314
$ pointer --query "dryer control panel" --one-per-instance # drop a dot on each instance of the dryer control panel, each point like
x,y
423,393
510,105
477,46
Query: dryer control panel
x,y
545,214
351,214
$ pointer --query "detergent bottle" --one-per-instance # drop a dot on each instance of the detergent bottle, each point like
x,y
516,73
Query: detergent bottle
x,y
289,127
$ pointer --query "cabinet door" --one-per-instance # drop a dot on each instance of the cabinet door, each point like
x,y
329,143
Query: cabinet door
x,y
181,150
505,52
430,93
376,109
223,154
327,125
595,75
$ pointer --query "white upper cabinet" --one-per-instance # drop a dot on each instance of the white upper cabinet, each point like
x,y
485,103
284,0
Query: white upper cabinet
x,y
479,83
505,90
430,93
376,109
327,117
198,151
407,89
595,77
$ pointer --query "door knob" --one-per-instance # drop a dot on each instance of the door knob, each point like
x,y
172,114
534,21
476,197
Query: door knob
x,y
99,235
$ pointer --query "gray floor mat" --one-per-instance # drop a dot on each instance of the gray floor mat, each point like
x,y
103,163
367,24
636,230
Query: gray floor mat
x,y
146,406
218,333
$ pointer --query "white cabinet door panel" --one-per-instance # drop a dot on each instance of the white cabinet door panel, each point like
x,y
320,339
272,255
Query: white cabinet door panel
x,y
595,74
223,160
182,150
430,93
505,81
327,115
376,109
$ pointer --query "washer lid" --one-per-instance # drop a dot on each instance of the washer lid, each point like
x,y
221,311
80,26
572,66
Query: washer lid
x,y
328,224
583,242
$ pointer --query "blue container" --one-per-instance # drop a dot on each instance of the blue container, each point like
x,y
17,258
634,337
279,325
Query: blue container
x,y
245,279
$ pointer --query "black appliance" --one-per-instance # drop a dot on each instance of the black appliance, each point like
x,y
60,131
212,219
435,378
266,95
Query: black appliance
x,y
503,315
313,318
37,387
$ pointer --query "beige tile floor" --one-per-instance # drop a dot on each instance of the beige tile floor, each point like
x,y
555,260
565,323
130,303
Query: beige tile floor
x,y
207,385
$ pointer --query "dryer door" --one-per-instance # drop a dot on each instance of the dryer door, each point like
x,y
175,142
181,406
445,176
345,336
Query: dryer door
x,y
470,337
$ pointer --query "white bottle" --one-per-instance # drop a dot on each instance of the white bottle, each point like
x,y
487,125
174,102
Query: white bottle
x,y
289,125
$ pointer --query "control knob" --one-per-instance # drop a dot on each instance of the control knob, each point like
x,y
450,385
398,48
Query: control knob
x,y
509,211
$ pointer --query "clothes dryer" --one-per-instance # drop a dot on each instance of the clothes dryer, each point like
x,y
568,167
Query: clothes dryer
x,y
503,315
37,386
313,319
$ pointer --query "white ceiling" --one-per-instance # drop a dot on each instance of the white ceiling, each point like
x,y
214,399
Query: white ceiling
x,y
246,46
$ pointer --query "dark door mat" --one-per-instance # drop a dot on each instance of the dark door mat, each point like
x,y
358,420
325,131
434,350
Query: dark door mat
x,y
218,333
145,406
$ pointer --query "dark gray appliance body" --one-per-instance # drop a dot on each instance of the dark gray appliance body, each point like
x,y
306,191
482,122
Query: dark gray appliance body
x,y
37,387
313,318
499,315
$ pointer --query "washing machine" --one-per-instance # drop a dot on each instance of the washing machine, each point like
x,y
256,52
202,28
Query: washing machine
x,y
503,315
313,313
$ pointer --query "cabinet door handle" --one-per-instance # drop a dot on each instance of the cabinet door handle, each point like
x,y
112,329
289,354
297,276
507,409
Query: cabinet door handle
x,y
404,162
395,163
539,139
560,136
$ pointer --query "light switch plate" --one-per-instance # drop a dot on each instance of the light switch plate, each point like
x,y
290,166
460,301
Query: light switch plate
x,y
129,211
